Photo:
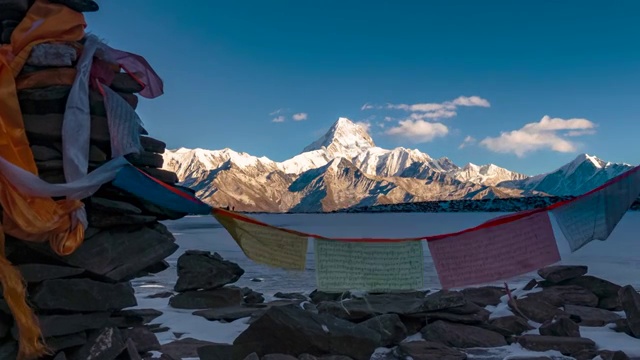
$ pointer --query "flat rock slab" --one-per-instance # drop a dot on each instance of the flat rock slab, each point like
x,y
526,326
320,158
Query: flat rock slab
x,y
203,270
390,327
566,294
427,350
535,309
34,273
565,345
600,287
204,299
82,295
512,325
560,273
143,339
291,330
58,325
215,352
114,206
184,348
562,326
462,336
589,316
630,301
152,145
484,296
106,343
119,253
58,343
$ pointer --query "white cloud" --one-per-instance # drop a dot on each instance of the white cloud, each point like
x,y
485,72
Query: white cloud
x,y
469,140
278,119
545,134
300,116
442,110
418,131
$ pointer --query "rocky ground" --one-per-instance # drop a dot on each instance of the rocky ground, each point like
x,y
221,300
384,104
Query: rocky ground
x,y
545,315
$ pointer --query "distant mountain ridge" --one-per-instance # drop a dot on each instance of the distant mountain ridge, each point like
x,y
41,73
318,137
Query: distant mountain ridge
x,y
345,169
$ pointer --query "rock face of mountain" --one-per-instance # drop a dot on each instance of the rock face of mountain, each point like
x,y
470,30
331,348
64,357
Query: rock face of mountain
x,y
345,169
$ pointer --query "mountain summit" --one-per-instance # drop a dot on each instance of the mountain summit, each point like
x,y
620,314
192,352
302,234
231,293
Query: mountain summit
x,y
344,139
344,168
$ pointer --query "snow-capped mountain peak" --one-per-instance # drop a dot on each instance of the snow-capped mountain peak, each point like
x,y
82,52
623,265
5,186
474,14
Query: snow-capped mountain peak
x,y
345,138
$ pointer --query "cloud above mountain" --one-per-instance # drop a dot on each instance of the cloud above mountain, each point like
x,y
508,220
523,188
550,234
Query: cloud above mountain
x,y
281,115
421,123
300,116
548,133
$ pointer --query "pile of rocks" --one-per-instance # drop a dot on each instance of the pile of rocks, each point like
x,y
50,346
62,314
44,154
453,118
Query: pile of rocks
x,y
441,325
79,298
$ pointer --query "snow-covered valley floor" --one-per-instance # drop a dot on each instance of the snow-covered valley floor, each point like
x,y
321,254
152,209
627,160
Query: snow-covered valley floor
x,y
617,260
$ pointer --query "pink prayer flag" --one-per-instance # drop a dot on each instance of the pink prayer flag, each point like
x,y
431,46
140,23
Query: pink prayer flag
x,y
495,252
132,63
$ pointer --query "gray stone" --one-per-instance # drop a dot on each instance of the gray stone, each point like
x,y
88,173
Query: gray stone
x,y
278,357
466,314
52,55
143,339
34,273
152,145
131,350
119,253
104,344
202,270
166,176
565,345
49,127
146,315
561,326
114,206
229,314
588,316
44,153
215,352
391,329
125,83
427,350
59,325
613,355
559,273
630,301
146,159
205,299
290,296
57,343
514,325
535,309
484,296
106,220
462,336
568,294
82,295
184,348
322,296
600,287
291,330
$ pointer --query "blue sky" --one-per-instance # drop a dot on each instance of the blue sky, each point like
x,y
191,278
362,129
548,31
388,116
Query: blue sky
x,y
421,74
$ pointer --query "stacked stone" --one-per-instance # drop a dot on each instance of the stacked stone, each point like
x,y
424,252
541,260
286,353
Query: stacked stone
x,y
79,299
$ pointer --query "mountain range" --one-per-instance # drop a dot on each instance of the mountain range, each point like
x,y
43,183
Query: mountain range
x,y
345,169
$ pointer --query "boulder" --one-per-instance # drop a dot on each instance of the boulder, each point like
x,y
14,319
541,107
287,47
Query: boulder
x,y
229,314
119,253
82,295
613,355
143,339
125,83
513,325
113,206
391,329
291,330
202,270
560,326
600,287
559,273
146,159
184,348
57,343
484,296
630,301
466,314
568,294
462,336
290,296
535,309
106,343
58,325
215,352
427,350
152,145
321,296
565,345
206,299
34,273
106,220
588,316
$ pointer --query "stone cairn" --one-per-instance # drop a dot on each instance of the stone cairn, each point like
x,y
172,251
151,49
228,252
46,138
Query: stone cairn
x,y
79,298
